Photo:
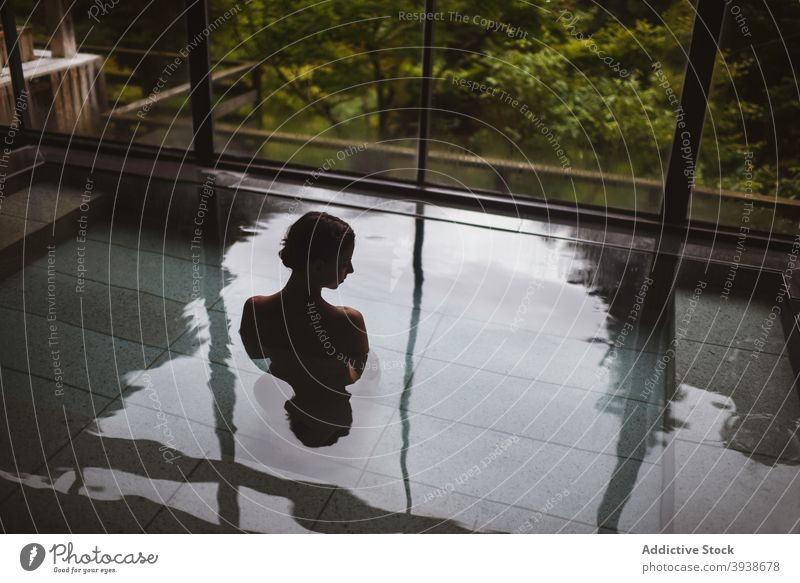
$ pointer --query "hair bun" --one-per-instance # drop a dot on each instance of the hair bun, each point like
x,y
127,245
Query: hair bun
x,y
314,236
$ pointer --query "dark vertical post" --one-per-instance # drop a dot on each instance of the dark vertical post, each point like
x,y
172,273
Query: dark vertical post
x,y
259,95
15,63
694,102
200,79
426,93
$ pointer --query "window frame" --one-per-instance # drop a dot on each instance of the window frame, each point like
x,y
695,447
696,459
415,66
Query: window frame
x,y
673,216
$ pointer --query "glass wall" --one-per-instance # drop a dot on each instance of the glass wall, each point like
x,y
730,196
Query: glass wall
x,y
571,101
110,70
749,169
332,85
575,101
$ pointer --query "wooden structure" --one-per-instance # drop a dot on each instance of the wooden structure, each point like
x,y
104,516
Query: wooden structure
x,y
65,95
66,90
25,37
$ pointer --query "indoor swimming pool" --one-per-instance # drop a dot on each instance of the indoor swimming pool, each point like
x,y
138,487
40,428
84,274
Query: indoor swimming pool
x,y
516,382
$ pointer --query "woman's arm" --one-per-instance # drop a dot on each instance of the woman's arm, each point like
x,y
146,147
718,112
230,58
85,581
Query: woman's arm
x,y
248,330
359,344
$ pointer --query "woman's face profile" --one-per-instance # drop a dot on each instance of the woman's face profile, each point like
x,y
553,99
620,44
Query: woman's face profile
x,y
333,273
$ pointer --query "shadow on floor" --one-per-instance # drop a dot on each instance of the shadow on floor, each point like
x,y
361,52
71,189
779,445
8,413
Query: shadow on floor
x,y
64,502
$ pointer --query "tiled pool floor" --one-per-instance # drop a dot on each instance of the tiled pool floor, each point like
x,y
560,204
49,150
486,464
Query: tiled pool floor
x,y
517,383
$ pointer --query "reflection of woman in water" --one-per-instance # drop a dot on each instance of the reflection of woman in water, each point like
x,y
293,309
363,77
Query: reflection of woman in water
x,y
316,347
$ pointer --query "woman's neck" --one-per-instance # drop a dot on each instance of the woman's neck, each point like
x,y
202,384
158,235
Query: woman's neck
x,y
298,287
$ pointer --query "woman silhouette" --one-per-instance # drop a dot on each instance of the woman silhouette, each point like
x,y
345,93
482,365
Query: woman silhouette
x,y
316,347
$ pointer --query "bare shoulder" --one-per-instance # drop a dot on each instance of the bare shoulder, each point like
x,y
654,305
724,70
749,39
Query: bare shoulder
x,y
351,315
261,303
353,323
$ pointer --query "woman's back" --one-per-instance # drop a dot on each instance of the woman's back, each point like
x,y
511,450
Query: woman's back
x,y
309,338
